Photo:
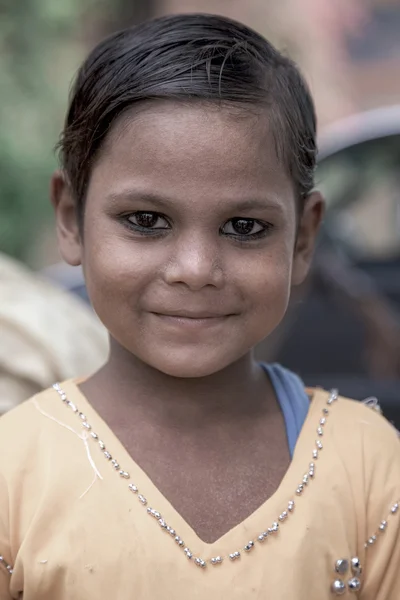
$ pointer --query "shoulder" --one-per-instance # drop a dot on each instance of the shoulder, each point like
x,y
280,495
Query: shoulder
x,y
352,420
365,448
358,442
363,421
28,431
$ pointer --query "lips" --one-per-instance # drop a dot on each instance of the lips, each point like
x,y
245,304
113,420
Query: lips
x,y
182,314
188,321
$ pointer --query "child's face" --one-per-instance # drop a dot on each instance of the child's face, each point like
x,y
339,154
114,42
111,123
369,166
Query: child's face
x,y
193,289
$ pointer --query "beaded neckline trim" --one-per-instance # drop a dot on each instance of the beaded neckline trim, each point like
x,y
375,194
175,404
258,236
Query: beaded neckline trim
x,y
248,547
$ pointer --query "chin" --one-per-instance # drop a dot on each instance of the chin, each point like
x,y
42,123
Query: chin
x,y
190,365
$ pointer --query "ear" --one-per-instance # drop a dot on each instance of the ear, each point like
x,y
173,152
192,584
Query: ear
x,y
68,232
308,228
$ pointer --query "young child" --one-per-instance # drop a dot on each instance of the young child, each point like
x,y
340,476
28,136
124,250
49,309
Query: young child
x,y
184,469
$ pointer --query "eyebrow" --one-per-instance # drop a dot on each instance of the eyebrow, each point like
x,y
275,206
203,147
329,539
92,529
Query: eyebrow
x,y
165,202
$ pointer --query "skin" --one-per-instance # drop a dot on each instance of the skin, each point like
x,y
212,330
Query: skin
x,y
186,306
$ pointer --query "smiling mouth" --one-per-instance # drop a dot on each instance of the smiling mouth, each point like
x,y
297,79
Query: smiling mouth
x,y
195,316
193,320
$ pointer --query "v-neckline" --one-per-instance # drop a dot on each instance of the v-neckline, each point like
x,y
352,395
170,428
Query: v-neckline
x,y
259,520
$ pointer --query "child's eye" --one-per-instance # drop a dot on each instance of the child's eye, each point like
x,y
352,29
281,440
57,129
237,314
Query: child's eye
x,y
147,220
242,227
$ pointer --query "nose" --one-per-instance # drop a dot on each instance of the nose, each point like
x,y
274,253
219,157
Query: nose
x,y
195,262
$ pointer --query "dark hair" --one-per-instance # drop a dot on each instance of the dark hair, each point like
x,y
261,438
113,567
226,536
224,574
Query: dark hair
x,y
188,57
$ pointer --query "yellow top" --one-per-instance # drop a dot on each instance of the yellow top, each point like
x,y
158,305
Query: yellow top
x,y
71,528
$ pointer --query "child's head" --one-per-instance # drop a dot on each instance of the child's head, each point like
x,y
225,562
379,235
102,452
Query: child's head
x,y
188,157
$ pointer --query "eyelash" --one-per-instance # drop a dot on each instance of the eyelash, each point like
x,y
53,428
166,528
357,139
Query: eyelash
x,y
160,231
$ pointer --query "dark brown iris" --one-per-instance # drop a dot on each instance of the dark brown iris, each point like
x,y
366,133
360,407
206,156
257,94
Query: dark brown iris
x,y
243,226
146,219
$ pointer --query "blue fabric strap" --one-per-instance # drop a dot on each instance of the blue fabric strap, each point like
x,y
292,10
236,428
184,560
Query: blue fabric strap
x,y
293,400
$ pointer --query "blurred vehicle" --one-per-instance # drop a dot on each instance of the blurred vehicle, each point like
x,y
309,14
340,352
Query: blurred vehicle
x,y
343,328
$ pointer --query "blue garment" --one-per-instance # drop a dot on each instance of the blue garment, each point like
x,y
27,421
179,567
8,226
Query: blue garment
x,y
293,400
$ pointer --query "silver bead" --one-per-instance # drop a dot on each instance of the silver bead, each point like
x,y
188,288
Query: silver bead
x,y
200,562
124,474
338,587
322,421
275,527
142,499
315,454
133,488
356,568
172,532
333,396
325,411
82,416
305,479
115,464
249,546
188,553
300,489
283,516
342,566
291,506
319,445
94,435
394,508
86,425
261,537
311,473
372,540
320,431
157,514
72,407
107,455
217,560
383,525
102,445
64,397
162,523
354,584
9,569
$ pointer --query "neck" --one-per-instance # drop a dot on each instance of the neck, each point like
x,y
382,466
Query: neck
x,y
132,387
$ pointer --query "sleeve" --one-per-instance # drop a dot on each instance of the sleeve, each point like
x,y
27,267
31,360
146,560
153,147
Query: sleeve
x,y
5,551
382,543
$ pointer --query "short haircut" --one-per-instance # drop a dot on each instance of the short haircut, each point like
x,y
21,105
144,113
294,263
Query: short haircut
x,y
191,57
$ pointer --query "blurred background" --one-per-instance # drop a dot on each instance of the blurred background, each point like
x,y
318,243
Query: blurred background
x,y
343,326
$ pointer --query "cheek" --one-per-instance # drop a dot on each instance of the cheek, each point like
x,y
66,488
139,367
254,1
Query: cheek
x,y
268,287
115,272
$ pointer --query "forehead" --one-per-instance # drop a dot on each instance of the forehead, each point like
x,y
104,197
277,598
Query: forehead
x,y
193,148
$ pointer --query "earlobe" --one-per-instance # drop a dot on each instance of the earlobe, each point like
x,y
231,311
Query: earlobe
x,y
68,231
308,229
